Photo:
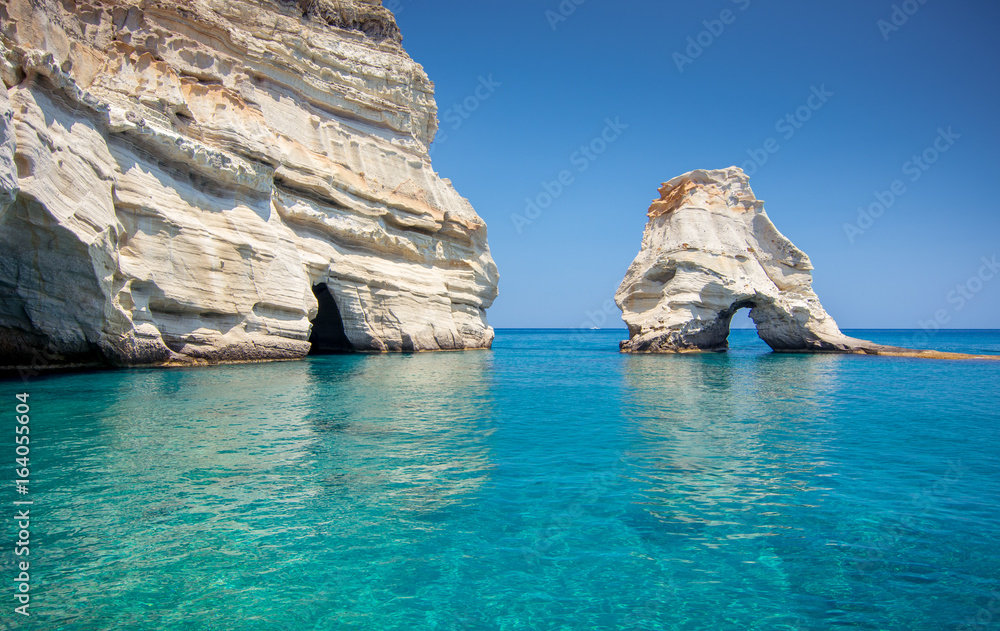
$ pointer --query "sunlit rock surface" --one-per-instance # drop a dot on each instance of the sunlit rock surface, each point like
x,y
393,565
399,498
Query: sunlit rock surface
x,y
190,174
709,249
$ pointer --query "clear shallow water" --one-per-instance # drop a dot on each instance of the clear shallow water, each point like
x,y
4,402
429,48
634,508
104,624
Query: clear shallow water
x,y
550,484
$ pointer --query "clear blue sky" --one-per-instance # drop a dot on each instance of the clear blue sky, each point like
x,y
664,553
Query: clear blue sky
x,y
892,90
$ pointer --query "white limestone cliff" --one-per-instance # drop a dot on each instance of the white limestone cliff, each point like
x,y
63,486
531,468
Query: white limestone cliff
x,y
8,170
709,249
198,180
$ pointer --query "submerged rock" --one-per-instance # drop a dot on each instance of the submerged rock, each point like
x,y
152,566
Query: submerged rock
x,y
709,249
190,175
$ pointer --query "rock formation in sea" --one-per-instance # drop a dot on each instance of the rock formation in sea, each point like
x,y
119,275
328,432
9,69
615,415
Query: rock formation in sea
x,y
709,249
187,181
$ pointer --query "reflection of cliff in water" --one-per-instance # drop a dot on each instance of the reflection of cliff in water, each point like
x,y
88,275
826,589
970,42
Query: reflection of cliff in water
x,y
248,462
730,446
727,434
401,433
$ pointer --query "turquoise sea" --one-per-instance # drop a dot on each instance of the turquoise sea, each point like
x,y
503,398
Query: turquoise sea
x,y
551,483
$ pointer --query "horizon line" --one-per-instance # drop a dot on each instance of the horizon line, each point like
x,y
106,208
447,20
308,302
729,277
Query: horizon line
x,y
571,328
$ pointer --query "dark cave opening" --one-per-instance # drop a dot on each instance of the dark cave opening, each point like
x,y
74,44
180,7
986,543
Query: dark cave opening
x,y
327,336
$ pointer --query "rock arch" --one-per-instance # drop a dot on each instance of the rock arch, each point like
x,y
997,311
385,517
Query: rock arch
x,y
709,249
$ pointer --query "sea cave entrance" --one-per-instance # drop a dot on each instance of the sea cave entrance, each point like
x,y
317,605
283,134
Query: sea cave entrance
x,y
328,336
740,330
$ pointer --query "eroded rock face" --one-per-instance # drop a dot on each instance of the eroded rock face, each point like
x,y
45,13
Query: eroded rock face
x,y
190,174
709,250
8,170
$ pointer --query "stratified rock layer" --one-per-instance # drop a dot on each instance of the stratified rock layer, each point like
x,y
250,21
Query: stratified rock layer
x,y
709,249
190,174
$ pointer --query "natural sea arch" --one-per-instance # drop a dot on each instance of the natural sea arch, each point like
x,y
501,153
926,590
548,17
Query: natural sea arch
x,y
774,325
